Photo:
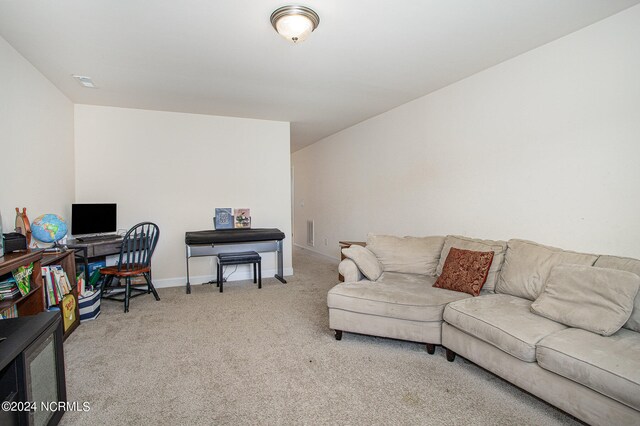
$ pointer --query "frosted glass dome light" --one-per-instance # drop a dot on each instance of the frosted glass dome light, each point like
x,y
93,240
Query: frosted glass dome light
x,y
294,23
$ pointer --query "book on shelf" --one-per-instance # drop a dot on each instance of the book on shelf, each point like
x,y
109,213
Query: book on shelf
x,y
22,276
57,284
81,284
9,289
10,295
11,312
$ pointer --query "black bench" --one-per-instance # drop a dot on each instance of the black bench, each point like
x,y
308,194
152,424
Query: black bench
x,y
239,258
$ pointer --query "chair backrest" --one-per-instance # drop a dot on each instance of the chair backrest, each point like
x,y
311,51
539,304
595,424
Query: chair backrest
x,y
138,246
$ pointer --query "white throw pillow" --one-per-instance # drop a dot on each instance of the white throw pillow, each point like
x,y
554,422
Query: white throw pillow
x,y
366,261
599,300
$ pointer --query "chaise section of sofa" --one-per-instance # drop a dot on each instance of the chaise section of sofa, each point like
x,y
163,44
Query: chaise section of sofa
x,y
397,305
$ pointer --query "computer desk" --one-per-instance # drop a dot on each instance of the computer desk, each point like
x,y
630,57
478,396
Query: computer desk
x,y
87,250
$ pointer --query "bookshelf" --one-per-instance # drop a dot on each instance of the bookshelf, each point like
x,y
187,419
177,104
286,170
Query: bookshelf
x,y
34,301
66,259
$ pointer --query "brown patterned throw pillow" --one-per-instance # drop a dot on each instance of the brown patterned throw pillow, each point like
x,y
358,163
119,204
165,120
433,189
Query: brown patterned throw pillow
x,y
465,271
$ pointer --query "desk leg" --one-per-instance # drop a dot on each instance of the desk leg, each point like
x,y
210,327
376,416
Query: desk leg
x,y
188,283
85,255
280,275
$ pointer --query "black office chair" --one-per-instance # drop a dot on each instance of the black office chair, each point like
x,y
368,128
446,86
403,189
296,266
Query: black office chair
x,y
135,260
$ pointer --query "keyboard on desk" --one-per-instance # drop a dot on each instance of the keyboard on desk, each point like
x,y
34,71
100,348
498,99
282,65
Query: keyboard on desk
x,y
96,238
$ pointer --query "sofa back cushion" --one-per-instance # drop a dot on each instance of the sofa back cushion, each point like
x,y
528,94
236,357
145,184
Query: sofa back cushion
x,y
599,300
630,265
527,265
409,255
465,243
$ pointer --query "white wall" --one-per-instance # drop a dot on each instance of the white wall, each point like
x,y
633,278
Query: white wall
x,y
545,146
174,169
36,142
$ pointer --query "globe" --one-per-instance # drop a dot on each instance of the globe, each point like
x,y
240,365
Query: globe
x,y
48,228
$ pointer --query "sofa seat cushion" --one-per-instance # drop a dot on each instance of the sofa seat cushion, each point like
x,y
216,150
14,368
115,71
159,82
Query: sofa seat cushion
x,y
394,295
504,321
608,365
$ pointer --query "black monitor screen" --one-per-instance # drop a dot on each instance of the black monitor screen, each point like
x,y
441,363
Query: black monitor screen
x,y
93,218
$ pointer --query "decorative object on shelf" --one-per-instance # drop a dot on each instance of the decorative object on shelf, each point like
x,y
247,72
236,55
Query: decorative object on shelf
x,y
295,23
22,224
68,311
14,241
223,218
242,218
49,228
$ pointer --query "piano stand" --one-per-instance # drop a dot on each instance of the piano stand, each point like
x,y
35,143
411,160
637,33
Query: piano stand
x,y
210,243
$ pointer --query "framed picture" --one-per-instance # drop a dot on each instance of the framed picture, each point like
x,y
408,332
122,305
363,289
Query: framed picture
x,y
242,218
223,218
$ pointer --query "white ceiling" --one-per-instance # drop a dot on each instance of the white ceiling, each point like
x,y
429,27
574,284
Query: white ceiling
x,y
224,58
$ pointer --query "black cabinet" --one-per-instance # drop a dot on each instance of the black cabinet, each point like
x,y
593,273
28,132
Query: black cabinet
x,y
32,377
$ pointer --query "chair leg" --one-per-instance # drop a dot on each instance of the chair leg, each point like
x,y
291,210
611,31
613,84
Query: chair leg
x,y
217,275
151,288
255,273
431,348
259,274
127,294
105,282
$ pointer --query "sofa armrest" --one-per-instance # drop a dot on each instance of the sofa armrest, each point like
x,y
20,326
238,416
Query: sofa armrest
x,y
350,271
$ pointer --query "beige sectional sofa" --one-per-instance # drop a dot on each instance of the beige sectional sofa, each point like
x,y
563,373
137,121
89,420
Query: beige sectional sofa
x,y
562,325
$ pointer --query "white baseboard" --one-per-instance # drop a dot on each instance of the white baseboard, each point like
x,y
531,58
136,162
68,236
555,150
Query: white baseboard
x,y
200,279
326,256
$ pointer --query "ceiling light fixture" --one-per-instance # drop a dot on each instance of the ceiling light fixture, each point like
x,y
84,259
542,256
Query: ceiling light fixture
x,y
85,81
294,23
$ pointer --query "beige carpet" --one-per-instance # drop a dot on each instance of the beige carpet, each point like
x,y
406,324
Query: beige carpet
x,y
267,356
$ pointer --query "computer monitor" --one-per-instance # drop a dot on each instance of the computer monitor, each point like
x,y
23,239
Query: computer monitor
x,y
93,218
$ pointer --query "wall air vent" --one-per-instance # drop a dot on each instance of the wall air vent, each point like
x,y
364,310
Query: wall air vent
x,y
310,233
